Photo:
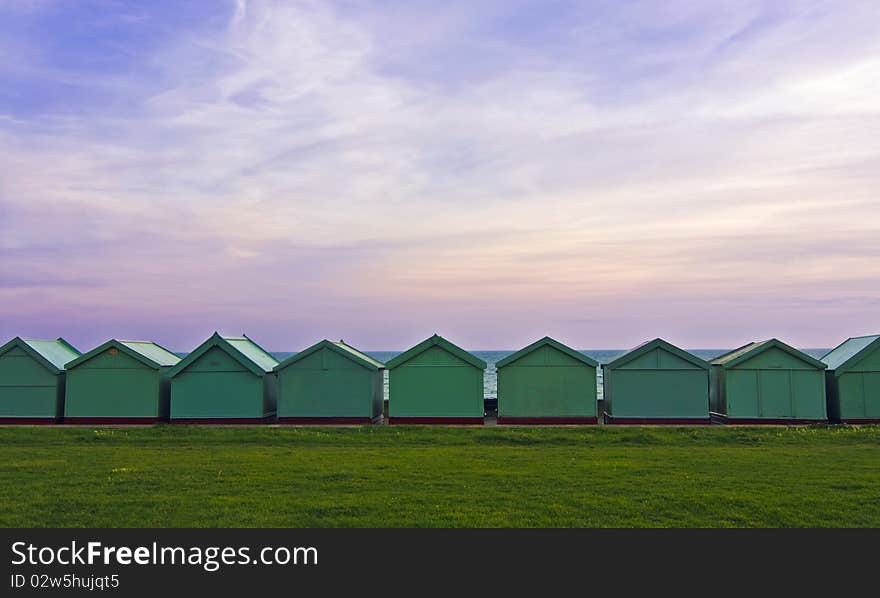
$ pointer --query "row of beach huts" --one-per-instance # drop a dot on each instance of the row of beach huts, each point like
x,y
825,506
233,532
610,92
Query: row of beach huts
x,y
234,380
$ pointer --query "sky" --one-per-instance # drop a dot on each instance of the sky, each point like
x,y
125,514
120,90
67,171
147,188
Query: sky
x,y
603,172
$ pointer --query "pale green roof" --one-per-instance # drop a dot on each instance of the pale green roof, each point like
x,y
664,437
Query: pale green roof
x,y
360,355
148,353
152,351
730,356
56,352
847,350
253,351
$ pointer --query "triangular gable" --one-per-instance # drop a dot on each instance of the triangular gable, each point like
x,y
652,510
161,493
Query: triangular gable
x,y
230,349
547,342
52,355
850,352
436,341
146,352
340,348
752,350
657,343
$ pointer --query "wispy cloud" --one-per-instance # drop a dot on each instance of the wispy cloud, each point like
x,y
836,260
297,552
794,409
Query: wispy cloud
x,y
380,170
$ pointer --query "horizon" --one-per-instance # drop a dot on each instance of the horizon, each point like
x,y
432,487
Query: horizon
x,y
275,352
498,172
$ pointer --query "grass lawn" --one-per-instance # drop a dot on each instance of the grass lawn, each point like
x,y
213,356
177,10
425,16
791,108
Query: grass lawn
x,y
390,476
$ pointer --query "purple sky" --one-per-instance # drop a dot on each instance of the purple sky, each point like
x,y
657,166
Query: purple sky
x,y
494,171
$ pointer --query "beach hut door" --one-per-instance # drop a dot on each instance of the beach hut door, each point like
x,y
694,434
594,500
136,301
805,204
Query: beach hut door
x,y
872,394
775,393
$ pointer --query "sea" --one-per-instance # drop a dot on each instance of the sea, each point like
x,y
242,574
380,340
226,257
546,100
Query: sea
x,y
490,377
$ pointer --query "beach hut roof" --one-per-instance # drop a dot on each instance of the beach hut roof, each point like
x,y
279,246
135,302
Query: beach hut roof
x,y
52,355
338,347
746,352
547,342
849,352
436,341
657,343
245,351
146,352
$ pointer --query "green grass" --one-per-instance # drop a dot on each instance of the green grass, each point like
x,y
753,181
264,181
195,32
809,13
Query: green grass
x,y
389,476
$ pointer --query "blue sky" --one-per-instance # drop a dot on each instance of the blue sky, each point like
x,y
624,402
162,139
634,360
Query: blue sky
x,y
603,172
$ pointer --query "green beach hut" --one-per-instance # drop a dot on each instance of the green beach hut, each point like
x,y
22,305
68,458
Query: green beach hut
x,y
547,383
768,382
120,382
32,378
225,380
657,383
852,380
435,382
330,383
